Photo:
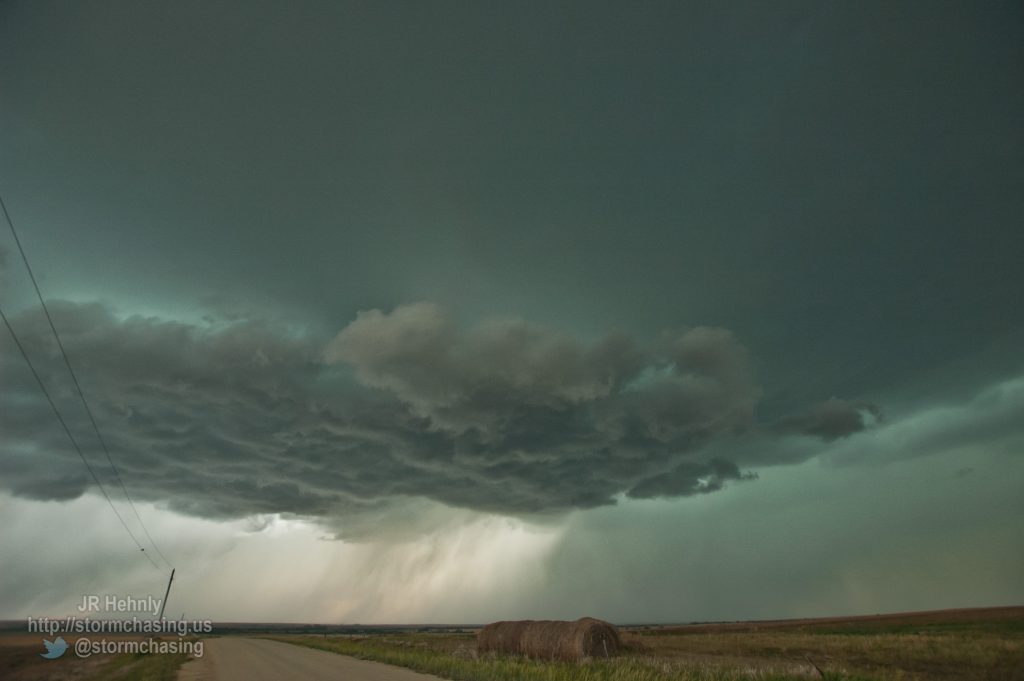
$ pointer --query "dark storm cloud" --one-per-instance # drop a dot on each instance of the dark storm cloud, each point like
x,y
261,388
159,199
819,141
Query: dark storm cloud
x,y
989,421
832,419
242,417
689,478
518,386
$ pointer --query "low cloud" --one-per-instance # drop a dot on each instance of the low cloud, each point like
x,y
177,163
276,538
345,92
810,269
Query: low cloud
x,y
240,418
832,419
992,421
688,478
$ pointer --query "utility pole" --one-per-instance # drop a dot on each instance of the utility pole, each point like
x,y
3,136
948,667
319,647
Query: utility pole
x,y
166,594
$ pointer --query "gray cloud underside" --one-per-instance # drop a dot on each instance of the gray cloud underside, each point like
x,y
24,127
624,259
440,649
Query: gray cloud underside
x,y
242,418
831,419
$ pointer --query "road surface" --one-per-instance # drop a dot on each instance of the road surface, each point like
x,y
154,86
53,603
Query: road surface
x,y
236,658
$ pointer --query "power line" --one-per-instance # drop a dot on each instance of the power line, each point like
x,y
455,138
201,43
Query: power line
x,y
71,437
78,387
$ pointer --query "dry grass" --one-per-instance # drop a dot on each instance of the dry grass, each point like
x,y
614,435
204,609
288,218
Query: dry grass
x,y
896,656
20,661
978,644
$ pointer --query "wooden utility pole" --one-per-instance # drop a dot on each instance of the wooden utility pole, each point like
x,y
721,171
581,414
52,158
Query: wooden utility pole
x,y
166,594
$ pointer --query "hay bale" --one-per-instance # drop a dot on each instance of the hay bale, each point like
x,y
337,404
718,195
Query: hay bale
x,y
502,637
586,637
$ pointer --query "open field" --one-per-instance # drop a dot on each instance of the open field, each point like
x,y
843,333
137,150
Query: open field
x,y
996,619
981,645
20,661
974,645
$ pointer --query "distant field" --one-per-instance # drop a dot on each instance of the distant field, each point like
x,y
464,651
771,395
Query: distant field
x,y
974,645
993,618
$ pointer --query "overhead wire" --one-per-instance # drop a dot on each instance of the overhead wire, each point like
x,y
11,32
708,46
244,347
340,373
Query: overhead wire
x,y
81,395
67,431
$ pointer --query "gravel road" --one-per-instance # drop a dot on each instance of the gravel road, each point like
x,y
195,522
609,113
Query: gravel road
x,y
251,659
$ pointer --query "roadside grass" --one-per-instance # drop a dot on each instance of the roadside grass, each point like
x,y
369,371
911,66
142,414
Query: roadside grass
x,y
141,668
20,661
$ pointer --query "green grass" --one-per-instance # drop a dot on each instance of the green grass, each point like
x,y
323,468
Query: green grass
x,y
461,664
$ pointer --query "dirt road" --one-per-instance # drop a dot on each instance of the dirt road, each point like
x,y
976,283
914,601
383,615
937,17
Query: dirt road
x,y
252,659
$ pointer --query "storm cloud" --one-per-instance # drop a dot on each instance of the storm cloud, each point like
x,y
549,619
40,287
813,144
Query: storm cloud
x,y
235,418
832,419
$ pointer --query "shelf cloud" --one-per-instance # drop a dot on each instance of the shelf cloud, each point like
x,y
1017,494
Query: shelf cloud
x,y
244,417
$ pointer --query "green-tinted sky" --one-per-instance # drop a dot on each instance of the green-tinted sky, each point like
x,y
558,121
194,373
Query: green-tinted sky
x,y
591,277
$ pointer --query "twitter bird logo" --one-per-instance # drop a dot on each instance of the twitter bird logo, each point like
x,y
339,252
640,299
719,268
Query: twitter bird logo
x,y
54,649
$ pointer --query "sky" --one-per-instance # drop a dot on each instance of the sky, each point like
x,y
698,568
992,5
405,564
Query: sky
x,y
458,312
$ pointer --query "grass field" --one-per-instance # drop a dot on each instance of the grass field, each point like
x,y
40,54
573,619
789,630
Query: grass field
x,y
977,645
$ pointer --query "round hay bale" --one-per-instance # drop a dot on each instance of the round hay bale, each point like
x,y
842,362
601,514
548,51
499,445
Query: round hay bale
x,y
596,638
548,639
502,637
